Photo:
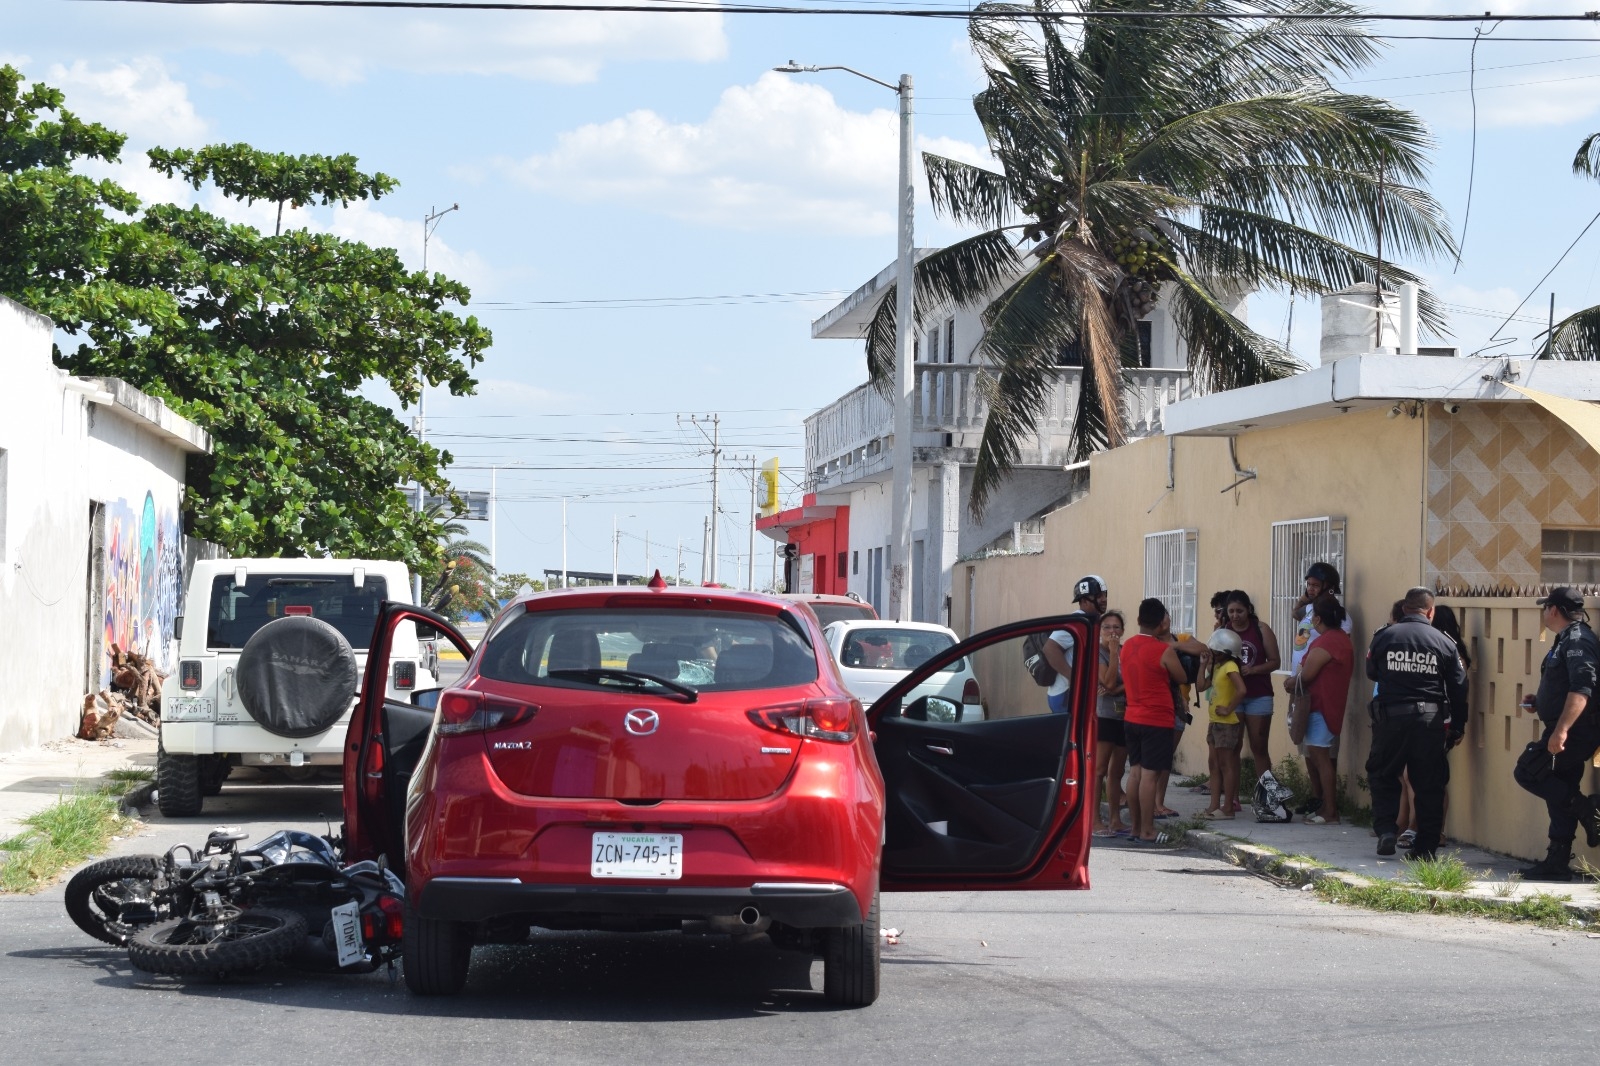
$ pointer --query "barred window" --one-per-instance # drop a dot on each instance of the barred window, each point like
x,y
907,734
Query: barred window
x,y
1295,546
1171,569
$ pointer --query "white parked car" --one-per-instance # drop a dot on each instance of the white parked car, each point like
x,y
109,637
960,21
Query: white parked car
x,y
874,654
270,652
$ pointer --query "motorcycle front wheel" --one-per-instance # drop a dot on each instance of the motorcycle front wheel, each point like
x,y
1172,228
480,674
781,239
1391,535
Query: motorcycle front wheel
x,y
97,895
257,938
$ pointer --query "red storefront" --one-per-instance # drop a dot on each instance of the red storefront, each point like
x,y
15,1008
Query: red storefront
x,y
820,558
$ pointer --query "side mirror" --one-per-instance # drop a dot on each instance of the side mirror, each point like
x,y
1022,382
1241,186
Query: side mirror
x,y
933,709
426,698
177,628
426,632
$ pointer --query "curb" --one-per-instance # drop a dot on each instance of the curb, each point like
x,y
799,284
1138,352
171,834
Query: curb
x,y
1278,865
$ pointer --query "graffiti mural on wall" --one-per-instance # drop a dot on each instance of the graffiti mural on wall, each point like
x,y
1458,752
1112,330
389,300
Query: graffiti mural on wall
x,y
144,574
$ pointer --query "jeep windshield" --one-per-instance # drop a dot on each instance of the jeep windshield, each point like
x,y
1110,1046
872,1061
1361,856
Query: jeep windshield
x,y
237,611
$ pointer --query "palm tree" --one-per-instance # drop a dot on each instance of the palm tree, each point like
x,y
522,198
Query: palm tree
x,y
461,578
1190,157
1578,336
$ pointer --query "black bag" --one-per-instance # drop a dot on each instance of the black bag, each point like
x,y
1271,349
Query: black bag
x,y
1535,764
1044,675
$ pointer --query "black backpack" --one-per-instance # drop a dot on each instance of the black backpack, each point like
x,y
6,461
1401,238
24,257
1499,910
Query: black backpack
x,y
1044,675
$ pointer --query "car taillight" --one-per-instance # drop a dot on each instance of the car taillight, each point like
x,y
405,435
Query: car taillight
x,y
388,925
189,674
473,712
969,692
825,719
405,674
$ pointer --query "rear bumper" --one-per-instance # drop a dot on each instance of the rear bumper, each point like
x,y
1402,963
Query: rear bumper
x,y
479,899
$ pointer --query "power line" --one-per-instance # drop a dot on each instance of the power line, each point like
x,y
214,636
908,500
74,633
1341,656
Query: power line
x,y
681,7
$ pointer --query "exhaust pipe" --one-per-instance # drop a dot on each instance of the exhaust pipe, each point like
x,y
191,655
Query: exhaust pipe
x,y
749,916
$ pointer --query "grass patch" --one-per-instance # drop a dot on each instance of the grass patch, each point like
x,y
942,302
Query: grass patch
x,y
1541,909
1193,781
1307,860
1442,873
77,827
121,782
1508,888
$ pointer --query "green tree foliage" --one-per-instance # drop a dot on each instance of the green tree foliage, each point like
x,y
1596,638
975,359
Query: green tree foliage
x,y
262,340
1192,159
1578,335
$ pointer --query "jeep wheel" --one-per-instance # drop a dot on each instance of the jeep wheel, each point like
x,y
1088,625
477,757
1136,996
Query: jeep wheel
x,y
214,770
177,784
437,955
851,960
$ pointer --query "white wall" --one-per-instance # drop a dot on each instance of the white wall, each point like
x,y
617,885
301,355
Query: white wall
x,y
69,443
43,576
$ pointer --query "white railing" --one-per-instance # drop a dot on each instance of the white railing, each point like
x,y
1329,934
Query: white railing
x,y
948,399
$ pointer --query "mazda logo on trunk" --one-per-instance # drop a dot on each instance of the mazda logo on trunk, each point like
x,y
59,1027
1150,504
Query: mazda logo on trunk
x,y
641,722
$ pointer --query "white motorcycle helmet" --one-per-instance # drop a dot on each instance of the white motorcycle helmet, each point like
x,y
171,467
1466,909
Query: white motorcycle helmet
x,y
1226,640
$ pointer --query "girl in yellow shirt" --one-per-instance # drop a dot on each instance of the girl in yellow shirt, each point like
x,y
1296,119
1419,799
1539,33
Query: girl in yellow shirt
x,y
1225,733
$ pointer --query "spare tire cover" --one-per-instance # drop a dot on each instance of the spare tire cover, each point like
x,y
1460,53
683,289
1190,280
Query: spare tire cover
x,y
297,676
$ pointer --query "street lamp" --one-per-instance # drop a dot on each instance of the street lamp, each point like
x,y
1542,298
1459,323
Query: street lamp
x,y
900,576
430,222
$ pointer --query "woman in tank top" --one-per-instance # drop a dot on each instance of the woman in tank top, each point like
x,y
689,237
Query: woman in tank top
x,y
1257,661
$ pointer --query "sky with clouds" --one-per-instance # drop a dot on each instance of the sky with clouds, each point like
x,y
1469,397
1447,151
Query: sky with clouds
x,y
606,157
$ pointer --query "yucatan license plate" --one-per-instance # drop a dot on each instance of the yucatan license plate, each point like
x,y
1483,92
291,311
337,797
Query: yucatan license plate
x,y
186,709
657,856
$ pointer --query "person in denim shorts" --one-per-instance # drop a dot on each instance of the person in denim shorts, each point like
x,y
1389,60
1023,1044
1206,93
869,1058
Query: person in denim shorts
x,y
1257,659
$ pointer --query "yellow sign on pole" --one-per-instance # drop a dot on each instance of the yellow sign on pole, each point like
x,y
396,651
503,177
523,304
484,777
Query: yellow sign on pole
x,y
769,488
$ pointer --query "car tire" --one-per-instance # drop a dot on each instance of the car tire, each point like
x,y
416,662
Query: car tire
x,y
177,784
437,955
214,770
852,961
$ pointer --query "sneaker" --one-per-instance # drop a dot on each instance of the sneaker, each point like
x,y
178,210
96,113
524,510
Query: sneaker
x,y
1417,854
1386,844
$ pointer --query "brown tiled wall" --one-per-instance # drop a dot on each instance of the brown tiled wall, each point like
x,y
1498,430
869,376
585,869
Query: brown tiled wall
x,y
1497,474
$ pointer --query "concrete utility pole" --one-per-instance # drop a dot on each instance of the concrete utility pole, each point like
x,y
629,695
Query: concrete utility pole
x,y
752,523
715,438
900,576
430,222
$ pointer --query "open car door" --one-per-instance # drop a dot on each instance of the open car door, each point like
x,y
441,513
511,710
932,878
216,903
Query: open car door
x,y
998,802
386,742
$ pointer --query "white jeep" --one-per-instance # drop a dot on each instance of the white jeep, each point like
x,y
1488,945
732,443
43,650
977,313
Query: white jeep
x,y
268,653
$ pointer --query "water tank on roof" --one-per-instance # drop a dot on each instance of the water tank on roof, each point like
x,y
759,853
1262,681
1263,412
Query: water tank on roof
x,y
1350,322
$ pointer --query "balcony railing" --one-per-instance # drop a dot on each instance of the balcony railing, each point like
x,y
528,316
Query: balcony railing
x,y
948,410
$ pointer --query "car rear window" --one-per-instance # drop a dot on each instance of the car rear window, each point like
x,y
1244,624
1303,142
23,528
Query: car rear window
x,y
237,611
894,649
829,613
710,651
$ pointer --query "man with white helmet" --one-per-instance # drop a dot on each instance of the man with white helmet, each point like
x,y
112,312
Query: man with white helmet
x,y
1090,594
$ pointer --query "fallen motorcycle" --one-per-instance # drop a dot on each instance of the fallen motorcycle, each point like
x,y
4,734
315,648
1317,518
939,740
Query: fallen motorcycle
x,y
228,909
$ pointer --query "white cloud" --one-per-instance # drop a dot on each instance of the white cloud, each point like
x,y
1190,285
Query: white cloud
x,y
779,154
139,98
344,46
1476,315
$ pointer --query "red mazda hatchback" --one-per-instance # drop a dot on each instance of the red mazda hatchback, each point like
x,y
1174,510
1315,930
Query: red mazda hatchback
x,y
665,758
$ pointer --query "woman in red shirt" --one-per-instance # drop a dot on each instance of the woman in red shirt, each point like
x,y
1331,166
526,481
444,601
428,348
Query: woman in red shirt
x,y
1325,672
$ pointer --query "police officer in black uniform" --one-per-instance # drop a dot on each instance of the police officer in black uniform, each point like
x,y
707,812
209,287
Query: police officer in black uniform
x,y
1552,767
1419,714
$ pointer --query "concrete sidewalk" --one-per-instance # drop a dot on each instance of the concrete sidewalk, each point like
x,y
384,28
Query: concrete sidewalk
x,y
33,779
1353,849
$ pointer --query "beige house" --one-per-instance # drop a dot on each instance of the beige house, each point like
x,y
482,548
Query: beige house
x,y
1400,470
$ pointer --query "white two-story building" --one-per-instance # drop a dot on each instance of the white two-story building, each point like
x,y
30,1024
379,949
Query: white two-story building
x,y
841,533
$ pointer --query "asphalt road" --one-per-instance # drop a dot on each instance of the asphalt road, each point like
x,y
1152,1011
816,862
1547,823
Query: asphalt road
x,y
1171,957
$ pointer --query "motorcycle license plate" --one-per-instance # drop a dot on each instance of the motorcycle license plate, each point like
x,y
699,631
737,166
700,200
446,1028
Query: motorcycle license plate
x,y
652,856
347,933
